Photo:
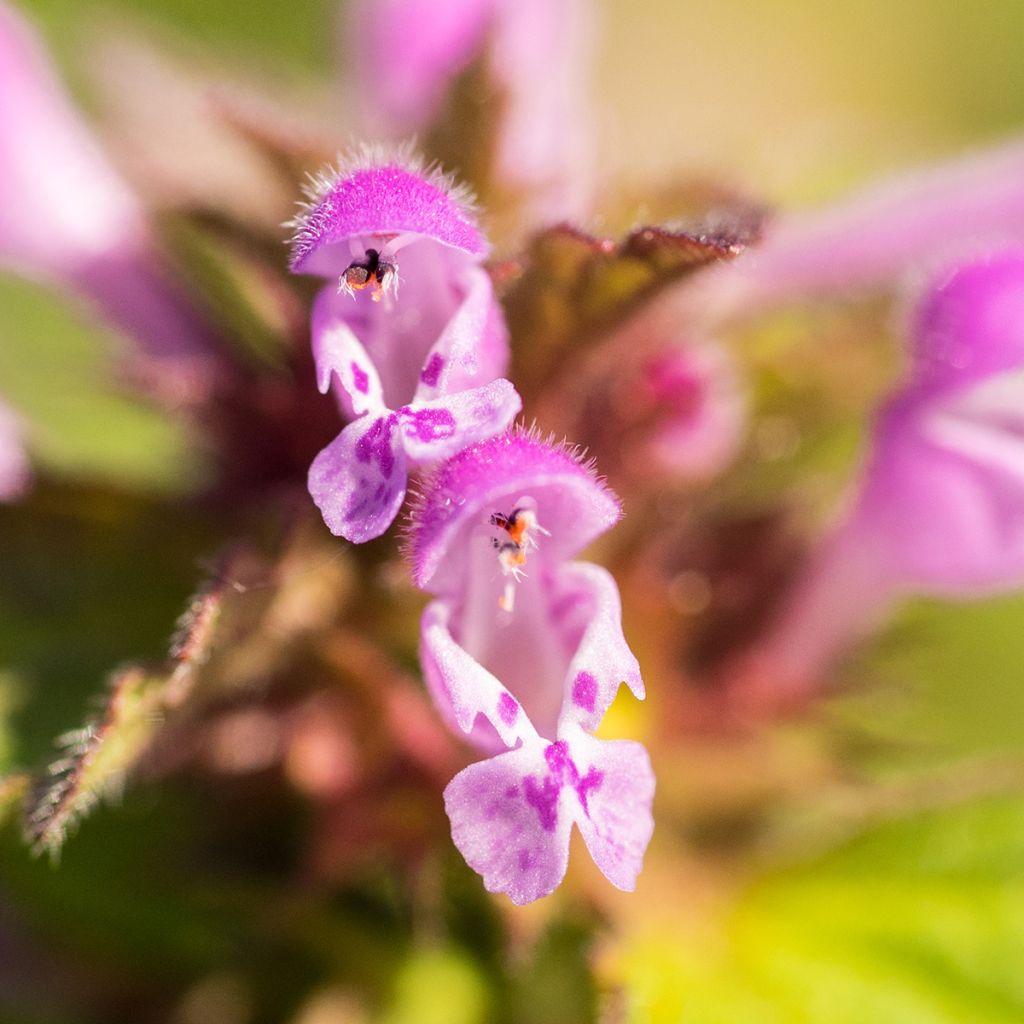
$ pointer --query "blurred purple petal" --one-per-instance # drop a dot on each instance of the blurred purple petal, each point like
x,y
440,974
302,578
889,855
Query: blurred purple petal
x,y
873,239
61,204
67,217
698,405
406,53
540,56
940,508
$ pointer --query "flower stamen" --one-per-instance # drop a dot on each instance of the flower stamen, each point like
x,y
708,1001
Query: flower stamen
x,y
372,271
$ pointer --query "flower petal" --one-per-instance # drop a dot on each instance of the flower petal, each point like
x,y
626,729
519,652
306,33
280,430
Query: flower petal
x,y
438,429
61,202
422,45
463,690
358,481
971,325
512,815
945,491
575,505
337,352
602,661
473,347
616,822
380,196
874,238
511,823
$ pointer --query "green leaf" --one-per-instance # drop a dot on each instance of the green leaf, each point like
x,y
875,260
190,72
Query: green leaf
x,y
917,921
946,681
57,366
571,287
438,986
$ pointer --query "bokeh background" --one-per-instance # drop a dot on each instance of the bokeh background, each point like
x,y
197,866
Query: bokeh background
x,y
863,861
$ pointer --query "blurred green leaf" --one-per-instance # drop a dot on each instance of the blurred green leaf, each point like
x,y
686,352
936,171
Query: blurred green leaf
x,y
946,680
57,369
918,921
556,985
294,35
438,986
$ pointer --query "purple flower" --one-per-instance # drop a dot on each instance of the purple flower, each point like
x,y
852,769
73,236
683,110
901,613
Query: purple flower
x,y
940,507
921,220
523,651
14,468
67,217
535,53
411,333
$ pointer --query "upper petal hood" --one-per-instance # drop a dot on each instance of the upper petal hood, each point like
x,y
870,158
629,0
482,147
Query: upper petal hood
x,y
463,492
383,196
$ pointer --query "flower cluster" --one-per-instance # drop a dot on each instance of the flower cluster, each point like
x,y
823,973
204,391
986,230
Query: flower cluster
x,y
522,648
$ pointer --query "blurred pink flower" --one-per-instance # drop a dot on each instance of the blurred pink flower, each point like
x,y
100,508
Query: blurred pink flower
x,y
67,217
916,222
940,506
523,651
411,333
693,396
15,474
408,53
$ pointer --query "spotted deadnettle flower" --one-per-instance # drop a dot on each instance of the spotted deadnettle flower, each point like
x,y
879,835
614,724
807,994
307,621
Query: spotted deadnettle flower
x,y
535,54
523,651
408,328
14,467
940,508
67,217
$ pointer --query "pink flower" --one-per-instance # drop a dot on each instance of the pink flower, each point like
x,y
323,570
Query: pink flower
x,y
411,333
698,407
535,53
67,217
523,651
14,468
940,506
918,221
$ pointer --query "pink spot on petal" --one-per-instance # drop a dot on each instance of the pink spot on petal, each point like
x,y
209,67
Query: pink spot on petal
x,y
508,708
584,691
427,425
591,782
543,798
431,373
360,378
375,444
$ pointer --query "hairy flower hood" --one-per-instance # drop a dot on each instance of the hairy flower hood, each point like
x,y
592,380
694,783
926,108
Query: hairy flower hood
x,y
381,194
455,503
